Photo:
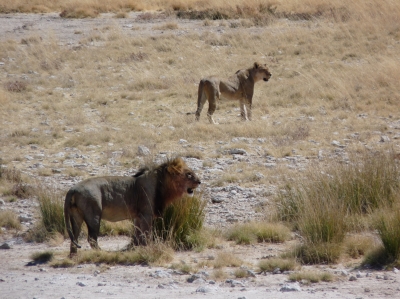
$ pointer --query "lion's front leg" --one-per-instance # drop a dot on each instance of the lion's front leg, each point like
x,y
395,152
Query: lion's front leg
x,y
142,230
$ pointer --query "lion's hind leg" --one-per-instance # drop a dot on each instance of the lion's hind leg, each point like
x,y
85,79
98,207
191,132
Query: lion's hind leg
x,y
93,225
76,221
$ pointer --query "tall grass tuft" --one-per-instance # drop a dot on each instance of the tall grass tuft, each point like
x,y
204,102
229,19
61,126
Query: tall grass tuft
x,y
320,205
181,223
51,208
388,227
253,232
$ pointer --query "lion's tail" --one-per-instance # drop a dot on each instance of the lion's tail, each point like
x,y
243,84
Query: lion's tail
x,y
67,215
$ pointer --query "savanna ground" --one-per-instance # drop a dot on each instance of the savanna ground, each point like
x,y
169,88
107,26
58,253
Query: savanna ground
x,y
80,93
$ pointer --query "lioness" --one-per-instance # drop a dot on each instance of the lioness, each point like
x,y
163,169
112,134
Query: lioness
x,y
115,198
239,86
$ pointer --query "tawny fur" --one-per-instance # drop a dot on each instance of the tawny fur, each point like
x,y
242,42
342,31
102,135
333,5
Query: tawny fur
x,y
115,198
240,86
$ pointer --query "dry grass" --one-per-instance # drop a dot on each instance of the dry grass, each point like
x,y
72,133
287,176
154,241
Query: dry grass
x,y
270,265
311,276
9,220
335,73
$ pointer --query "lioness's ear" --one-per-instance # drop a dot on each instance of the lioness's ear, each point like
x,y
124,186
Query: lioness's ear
x,y
256,65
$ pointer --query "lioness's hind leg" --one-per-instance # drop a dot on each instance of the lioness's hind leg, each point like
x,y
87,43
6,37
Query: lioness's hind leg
x,y
212,106
202,98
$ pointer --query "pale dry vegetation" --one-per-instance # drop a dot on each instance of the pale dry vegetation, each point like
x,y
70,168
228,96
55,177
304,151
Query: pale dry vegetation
x,y
335,76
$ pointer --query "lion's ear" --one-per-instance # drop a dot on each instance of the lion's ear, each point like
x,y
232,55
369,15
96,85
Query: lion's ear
x,y
256,65
175,166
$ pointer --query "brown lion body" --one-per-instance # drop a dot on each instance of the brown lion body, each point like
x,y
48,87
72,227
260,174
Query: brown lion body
x,y
115,198
240,87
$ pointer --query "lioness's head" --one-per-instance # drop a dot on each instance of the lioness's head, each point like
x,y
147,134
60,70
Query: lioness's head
x,y
183,179
262,72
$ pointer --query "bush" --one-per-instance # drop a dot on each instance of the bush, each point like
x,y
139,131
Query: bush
x,y
249,233
181,223
51,208
388,227
269,265
320,205
9,220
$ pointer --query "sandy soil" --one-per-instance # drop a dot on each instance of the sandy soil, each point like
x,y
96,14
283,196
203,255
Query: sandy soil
x,y
20,279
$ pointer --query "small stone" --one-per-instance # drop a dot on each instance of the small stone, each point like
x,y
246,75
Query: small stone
x,y
5,246
81,284
385,138
295,287
143,151
352,278
358,275
367,290
276,271
203,289
217,199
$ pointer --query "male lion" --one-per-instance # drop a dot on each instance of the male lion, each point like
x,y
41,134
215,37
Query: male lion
x,y
239,86
115,198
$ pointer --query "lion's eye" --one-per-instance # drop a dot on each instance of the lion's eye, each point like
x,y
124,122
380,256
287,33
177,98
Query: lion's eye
x,y
189,176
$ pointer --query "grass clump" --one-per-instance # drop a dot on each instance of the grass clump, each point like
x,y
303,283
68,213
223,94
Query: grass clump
x,y
42,257
9,220
51,209
181,223
311,277
269,265
120,228
226,259
155,253
321,206
253,232
387,225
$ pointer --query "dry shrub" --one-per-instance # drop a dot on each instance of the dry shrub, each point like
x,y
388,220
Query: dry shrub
x,y
79,13
153,254
269,265
15,86
9,220
311,276
227,259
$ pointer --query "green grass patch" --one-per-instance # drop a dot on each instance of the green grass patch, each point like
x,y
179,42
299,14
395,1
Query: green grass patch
x,y
42,257
269,265
181,223
155,253
311,277
253,232
9,220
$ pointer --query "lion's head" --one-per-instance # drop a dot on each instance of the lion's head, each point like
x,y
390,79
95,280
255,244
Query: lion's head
x,y
181,177
262,72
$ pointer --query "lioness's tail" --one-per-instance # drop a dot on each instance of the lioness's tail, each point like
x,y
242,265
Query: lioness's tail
x,y
67,216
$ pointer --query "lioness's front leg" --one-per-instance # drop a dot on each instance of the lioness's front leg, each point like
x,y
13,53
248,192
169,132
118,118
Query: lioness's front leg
x,y
245,109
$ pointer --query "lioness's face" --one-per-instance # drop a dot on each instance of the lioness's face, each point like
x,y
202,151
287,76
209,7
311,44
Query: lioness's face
x,y
263,73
